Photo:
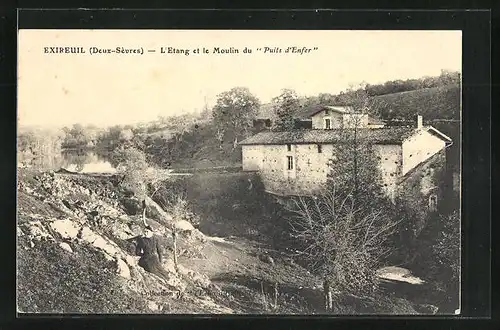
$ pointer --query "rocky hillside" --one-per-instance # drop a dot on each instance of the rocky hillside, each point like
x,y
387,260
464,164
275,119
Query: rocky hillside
x,y
76,237
75,252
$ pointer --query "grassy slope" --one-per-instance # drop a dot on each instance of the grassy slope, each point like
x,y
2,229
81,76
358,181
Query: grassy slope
x,y
431,103
51,280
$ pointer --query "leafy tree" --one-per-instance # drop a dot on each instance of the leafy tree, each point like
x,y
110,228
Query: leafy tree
x,y
27,141
132,164
285,107
126,135
39,141
233,113
447,248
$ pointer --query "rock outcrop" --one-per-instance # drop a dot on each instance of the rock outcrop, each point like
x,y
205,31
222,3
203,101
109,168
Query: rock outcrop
x,y
91,216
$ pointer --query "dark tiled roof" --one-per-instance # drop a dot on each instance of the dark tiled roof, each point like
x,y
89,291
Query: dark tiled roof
x,y
266,111
392,135
337,108
305,113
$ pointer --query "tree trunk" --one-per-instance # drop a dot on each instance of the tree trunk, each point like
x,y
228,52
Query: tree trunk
x,y
144,212
263,293
235,143
327,295
355,163
174,236
276,295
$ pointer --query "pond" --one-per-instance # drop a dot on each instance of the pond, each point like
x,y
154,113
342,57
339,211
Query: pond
x,y
81,161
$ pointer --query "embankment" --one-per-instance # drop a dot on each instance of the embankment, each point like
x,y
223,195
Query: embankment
x,y
228,203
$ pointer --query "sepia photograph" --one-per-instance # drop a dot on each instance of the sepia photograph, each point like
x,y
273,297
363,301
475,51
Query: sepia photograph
x,y
254,172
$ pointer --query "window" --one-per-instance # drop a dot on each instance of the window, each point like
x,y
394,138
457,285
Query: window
x,y
328,124
289,147
289,162
319,149
268,123
327,112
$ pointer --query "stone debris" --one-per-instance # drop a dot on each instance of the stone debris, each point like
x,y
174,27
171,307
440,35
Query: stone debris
x,y
38,231
87,210
153,306
200,280
169,265
427,309
65,228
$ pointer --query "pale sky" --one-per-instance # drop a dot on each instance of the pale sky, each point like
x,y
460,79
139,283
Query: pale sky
x,y
111,89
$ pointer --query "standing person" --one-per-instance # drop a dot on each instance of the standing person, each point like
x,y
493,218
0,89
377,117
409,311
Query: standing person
x,y
148,248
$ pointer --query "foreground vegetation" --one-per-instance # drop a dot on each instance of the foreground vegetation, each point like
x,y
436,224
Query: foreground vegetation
x,y
216,275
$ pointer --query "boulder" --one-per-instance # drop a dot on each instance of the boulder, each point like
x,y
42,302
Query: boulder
x,y
66,246
87,235
131,261
153,306
105,246
184,226
66,228
122,268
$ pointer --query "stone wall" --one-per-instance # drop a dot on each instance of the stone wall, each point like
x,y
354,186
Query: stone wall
x,y
310,167
422,183
390,159
309,171
318,120
419,148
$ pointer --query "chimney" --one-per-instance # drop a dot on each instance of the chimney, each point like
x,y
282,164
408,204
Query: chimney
x,y
419,121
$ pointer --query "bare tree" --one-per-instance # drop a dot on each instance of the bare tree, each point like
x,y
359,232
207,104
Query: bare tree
x,y
137,175
341,243
354,168
360,101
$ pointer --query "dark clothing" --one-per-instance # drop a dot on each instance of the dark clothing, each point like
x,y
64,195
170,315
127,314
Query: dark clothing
x,y
149,250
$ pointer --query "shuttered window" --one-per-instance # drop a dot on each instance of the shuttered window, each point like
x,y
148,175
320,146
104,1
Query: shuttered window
x,y
289,162
328,124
